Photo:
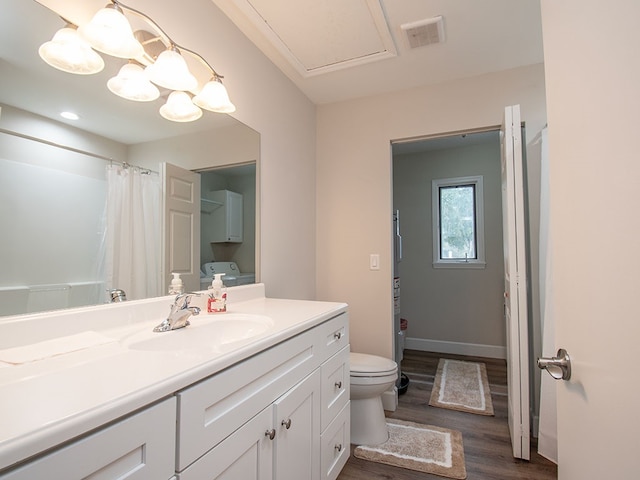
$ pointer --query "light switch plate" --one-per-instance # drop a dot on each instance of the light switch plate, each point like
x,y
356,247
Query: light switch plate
x,y
374,261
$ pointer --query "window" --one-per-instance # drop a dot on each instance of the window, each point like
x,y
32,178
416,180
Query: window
x,y
458,223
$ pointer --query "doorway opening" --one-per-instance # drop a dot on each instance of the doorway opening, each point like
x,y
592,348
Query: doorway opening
x,y
235,184
450,307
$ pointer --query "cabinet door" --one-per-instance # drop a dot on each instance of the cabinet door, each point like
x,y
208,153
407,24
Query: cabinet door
x,y
247,454
297,423
234,217
226,220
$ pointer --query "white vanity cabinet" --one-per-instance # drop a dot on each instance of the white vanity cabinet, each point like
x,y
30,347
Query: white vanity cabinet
x,y
273,409
263,418
281,442
226,218
138,447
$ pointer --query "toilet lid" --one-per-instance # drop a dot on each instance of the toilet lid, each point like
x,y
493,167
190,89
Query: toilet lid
x,y
362,364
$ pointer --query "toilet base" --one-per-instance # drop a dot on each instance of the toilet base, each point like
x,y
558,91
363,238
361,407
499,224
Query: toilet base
x,y
368,423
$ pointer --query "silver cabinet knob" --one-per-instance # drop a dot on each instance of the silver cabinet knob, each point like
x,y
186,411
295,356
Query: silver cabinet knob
x,y
286,423
338,384
338,447
559,367
337,335
270,433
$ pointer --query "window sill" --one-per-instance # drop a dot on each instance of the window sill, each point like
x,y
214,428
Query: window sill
x,y
460,264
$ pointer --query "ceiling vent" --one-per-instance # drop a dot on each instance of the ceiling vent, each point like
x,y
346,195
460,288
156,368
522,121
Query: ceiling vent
x,y
424,32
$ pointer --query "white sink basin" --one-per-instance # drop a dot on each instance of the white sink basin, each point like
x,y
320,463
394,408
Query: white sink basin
x,y
218,333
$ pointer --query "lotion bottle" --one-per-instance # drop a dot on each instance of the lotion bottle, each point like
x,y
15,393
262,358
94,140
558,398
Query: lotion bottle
x,y
176,287
217,301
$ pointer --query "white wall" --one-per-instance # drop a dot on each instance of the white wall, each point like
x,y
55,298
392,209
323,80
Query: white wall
x,y
354,181
451,310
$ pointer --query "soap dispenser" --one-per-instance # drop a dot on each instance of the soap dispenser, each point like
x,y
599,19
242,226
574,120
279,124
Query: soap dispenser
x,y
217,301
176,287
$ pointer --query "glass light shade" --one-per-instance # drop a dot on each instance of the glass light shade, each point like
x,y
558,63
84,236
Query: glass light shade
x,y
132,83
68,52
180,108
214,97
170,71
109,32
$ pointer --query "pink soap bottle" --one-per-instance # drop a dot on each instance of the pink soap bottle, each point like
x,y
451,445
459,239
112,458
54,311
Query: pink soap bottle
x,y
217,301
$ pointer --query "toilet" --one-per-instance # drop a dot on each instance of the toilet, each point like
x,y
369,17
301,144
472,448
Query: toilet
x,y
370,377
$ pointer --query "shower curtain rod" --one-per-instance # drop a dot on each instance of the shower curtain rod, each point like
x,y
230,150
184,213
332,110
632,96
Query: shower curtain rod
x,y
73,149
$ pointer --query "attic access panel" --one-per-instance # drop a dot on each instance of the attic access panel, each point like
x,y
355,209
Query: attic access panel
x,y
320,36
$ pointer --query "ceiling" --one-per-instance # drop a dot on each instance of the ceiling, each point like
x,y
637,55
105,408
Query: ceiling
x,y
336,50
333,50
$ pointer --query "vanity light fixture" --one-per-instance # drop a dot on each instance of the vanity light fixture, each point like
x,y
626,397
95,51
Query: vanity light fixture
x,y
110,32
180,108
132,83
214,97
68,52
170,71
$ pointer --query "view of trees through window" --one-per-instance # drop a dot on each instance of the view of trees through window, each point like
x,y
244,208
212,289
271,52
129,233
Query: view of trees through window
x,y
457,222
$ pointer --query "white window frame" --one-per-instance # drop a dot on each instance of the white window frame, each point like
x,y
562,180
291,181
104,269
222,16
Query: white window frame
x,y
477,181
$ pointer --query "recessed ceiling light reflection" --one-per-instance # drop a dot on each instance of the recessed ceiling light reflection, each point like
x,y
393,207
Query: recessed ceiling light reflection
x,y
70,115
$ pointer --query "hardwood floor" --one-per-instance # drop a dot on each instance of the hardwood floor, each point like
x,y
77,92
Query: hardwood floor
x,y
487,448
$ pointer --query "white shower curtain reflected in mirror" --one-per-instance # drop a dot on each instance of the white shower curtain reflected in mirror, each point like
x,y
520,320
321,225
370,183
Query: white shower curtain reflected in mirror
x,y
132,233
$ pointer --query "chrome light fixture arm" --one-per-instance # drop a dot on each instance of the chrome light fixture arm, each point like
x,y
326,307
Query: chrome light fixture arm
x,y
167,40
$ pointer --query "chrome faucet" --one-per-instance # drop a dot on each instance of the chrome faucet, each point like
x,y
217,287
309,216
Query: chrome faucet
x,y
117,295
180,313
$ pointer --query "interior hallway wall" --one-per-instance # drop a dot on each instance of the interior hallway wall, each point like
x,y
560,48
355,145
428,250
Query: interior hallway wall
x,y
354,199
450,310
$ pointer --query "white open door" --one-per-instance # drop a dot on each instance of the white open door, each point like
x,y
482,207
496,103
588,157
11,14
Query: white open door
x,y
515,282
593,99
181,226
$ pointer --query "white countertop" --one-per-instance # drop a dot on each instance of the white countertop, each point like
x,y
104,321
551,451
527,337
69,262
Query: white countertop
x,y
52,400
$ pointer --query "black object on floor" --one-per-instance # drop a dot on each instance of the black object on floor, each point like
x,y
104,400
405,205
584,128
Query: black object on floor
x,y
404,384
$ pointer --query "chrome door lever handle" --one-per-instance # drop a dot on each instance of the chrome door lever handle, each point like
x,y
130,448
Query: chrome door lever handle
x,y
559,367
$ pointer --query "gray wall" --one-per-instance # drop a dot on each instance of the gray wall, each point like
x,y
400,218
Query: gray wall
x,y
450,310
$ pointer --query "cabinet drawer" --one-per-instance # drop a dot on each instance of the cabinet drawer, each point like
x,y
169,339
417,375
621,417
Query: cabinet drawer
x,y
335,386
335,335
335,444
140,447
211,410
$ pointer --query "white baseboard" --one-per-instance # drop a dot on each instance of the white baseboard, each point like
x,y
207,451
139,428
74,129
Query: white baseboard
x,y
456,348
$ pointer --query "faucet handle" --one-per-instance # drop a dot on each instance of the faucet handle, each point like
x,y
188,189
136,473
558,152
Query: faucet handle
x,y
183,300
117,295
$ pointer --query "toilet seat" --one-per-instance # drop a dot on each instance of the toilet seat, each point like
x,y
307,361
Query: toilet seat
x,y
364,365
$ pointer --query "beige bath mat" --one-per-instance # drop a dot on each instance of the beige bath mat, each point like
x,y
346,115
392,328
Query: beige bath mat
x,y
462,386
423,448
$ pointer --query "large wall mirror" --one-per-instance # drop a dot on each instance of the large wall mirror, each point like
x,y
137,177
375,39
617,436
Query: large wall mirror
x,y
52,171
